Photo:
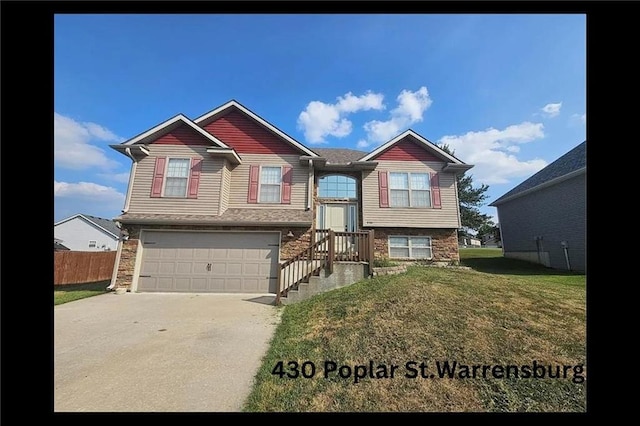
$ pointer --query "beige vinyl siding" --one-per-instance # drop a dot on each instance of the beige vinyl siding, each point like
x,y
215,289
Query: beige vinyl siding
x,y
240,181
208,191
224,187
373,215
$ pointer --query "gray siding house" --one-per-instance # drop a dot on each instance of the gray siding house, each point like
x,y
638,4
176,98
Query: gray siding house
x,y
543,219
83,232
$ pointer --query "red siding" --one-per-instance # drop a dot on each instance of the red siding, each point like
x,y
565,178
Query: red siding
x,y
407,150
183,135
246,136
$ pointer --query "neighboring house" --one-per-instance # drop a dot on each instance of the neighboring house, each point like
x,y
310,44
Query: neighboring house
x,y
58,246
216,204
543,219
469,242
83,232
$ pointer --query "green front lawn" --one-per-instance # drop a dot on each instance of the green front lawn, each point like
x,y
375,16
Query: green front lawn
x,y
505,313
70,292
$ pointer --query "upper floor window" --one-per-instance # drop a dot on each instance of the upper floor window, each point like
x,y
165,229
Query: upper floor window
x,y
177,177
270,184
409,189
337,186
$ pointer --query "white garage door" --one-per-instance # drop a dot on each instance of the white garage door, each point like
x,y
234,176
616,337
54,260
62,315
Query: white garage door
x,y
214,262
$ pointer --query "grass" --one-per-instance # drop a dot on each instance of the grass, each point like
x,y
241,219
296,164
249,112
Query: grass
x,y
513,315
70,292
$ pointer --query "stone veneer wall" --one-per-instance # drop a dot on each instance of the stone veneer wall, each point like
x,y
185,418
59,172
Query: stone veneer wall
x,y
444,242
289,246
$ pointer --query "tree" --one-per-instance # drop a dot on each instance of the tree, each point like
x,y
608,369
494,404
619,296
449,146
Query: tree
x,y
470,199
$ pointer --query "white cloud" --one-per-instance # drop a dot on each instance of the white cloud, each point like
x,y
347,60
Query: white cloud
x,y
582,118
491,152
320,119
116,177
552,110
86,197
72,147
362,143
410,109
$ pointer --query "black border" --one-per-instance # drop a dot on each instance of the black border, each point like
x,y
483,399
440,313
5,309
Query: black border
x,y
27,123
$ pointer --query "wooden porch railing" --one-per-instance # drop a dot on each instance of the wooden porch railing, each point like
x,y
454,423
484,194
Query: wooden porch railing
x,y
329,247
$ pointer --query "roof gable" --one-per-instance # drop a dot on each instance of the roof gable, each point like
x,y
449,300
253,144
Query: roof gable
x,y
247,132
570,163
407,152
169,126
408,149
105,225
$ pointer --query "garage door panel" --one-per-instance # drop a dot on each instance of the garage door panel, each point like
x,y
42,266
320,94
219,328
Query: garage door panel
x,y
184,268
167,268
234,285
216,285
164,283
234,269
218,268
239,262
183,284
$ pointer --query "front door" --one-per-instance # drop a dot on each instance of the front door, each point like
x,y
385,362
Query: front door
x,y
340,218
336,217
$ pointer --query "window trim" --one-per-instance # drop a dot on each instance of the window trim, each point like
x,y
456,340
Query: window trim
x,y
260,184
410,246
95,244
410,191
166,176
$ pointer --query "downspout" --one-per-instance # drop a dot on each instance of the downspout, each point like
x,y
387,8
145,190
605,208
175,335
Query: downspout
x,y
310,186
122,237
116,264
131,174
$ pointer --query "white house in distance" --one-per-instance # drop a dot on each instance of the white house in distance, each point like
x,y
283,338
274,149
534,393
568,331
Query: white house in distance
x,y
83,232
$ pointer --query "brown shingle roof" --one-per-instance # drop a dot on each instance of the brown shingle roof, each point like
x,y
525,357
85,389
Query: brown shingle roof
x,y
259,217
340,155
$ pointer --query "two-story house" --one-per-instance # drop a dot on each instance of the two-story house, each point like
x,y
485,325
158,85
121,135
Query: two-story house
x,y
216,204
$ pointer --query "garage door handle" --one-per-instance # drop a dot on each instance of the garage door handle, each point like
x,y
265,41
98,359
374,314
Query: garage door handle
x,y
208,267
145,276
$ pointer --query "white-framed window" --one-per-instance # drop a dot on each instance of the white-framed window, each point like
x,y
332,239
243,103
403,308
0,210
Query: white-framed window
x,y
337,186
92,243
270,184
410,247
409,189
177,177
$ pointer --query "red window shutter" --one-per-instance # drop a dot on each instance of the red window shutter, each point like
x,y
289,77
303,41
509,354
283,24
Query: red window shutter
x,y
254,175
383,186
435,191
287,172
194,177
158,177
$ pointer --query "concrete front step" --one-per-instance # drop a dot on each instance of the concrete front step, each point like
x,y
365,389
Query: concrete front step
x,y
344,274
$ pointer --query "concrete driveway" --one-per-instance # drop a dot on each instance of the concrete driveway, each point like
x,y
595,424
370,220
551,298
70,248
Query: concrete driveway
x,y
159,352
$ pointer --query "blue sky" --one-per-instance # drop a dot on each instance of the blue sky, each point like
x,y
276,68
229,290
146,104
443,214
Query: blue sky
x,y
507,92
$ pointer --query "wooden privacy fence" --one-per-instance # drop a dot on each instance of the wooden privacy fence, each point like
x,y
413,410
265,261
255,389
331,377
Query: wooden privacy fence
x,y
76,267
